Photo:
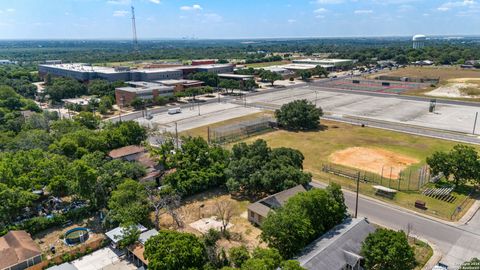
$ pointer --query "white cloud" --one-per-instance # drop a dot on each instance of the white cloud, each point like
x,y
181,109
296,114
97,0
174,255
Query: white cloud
x,y
155,1
120,13
320,10
119,2
292,21
212,17
363,11
10,10
457,4
329,1
193,7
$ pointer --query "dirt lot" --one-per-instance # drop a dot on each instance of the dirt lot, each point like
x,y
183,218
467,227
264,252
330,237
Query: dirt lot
x,y
54,236
203,206
373,160
458,88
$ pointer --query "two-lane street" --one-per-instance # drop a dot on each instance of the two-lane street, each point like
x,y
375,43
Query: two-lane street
x,y
456,243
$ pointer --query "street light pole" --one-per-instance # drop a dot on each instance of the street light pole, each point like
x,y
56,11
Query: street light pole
x,y
356,199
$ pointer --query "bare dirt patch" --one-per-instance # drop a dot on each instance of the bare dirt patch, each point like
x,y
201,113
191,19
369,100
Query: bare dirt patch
x,y
458,88
201,208
373,160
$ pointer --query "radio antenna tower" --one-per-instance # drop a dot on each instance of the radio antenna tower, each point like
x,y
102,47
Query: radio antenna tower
x,y
134,30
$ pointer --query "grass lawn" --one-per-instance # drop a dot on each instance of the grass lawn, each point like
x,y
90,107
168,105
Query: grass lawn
x,y
423,252
267,64
318,145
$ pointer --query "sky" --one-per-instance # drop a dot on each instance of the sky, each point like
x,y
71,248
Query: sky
x,y
226,19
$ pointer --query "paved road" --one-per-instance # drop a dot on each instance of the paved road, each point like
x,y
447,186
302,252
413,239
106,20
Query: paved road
x,y
456,243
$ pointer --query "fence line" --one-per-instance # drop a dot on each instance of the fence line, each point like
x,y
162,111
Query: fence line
x,y
408,180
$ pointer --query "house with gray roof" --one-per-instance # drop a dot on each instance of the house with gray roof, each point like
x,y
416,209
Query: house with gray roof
x,y
339,248
259,210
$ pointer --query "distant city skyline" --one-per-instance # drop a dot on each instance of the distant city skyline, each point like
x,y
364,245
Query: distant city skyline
x,y
210,19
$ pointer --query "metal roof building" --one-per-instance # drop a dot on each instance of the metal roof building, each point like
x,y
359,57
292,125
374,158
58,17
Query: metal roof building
x,y
339,248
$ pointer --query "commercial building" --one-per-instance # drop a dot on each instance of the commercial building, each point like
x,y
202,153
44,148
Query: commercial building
x,y
203,62
86,72
339,248
259,210
7,62
144,90
81,101
18,251
419,41
326,63
180,85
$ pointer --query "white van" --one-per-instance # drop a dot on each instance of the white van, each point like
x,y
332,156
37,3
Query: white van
x,y
174,110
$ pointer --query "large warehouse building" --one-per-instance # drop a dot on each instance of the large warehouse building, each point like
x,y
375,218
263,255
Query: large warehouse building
x,y
86,72
327,63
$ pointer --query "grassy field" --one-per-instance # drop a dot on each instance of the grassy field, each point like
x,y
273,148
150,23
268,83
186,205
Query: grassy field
x,y
443,73
268,64
317,146
422,250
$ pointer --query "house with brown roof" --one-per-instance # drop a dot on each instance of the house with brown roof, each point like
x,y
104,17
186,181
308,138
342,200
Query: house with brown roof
x,y
136,153
18,251
259,210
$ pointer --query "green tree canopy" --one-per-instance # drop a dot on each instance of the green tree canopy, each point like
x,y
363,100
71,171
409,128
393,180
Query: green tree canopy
x,y
388,250
171,250
128,203
299,115
256,169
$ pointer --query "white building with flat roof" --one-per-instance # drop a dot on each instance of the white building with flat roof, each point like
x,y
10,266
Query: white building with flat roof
x,y
326,63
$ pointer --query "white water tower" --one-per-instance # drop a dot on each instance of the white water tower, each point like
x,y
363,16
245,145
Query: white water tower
x,y
419,41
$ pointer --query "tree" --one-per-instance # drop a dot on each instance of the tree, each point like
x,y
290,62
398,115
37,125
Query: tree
x,y
128,203
270,76
130,235
473,264
250,85
299,115
305,74
209,78
320,71
388,250
229,84
101,88
291,265
238,255
256,169
87,119
171,250
65,88
137,103
14,200
461,162
225,210
304,217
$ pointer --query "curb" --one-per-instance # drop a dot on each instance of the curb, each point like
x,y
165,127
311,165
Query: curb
x,y
470,212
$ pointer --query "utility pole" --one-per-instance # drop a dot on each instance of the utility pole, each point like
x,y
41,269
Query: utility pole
x,y
198,109
356,199
475,123
176,134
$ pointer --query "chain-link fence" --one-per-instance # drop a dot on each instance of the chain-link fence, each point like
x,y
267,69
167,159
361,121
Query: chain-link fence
x,y
408,180
241,130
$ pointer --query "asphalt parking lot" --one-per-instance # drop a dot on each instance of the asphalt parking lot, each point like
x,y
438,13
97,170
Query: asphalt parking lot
x,y
393,108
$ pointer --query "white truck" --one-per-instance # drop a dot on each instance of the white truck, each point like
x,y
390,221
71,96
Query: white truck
x,y
174,110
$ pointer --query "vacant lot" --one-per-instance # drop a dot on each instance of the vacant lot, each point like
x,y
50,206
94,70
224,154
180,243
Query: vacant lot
x,y
204,207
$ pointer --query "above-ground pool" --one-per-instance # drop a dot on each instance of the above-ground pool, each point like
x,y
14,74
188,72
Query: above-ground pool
x,y
76,236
